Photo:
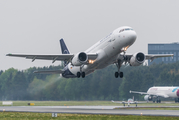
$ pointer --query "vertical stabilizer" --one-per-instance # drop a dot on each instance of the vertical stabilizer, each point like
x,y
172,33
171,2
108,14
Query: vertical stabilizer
x,y
64,49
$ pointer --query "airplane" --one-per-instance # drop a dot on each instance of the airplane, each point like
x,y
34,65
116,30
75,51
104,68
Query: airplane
x,y
129,101
109,50
157,92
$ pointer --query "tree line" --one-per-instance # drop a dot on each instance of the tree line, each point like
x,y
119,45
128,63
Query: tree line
x,y
100,85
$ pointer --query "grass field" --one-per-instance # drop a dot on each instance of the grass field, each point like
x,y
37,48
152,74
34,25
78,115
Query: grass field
x,y
85,103
48,116
62,103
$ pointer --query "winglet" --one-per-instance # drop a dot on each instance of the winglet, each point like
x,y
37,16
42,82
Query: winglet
x,y
8,54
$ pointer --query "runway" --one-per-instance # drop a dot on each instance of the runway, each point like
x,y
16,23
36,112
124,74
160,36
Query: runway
x,y
89,110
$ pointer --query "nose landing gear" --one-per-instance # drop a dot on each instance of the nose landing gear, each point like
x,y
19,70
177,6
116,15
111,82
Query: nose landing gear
x,y
119,74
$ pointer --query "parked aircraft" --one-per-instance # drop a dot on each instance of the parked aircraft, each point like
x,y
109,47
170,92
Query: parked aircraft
x,y
109,50
157,92
128,102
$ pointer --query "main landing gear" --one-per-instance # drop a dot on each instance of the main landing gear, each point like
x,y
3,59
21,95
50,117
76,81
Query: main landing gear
x,y
82,74
158,100
176,100
118,74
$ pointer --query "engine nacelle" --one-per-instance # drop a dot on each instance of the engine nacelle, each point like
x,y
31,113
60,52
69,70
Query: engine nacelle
x,y
137,59
79,59
147,97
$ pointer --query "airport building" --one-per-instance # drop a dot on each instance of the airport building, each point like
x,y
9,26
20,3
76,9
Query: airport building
x,y
167,48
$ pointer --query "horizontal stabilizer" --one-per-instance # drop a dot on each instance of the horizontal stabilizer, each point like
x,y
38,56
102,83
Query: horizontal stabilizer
x,y
50,72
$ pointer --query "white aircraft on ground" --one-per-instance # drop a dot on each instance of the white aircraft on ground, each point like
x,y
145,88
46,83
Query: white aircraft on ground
x,y
128,102
157,92
107,51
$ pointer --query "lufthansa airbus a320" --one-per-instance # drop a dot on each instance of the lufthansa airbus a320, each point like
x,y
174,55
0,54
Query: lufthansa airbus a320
x,y
109,50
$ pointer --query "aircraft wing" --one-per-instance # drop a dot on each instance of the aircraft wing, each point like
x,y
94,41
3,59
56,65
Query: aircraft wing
x,y
50,72
125,102
138,102
142,93
151,56
61,57
157,94
162,95
117,102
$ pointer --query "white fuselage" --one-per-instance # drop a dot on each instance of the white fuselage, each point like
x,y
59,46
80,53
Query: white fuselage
x,y
107,49
172,92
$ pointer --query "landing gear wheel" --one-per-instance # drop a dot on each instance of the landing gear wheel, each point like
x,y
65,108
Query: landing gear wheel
x,y
121,74
118,64
116,74
83,74
158,100
78,74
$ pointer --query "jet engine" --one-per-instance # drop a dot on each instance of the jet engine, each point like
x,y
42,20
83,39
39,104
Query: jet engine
x,y
79,59
147,97
137,59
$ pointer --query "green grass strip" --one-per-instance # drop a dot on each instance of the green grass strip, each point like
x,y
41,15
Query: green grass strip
x,y
48,116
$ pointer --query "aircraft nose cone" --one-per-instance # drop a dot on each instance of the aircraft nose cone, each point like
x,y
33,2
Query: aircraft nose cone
x,y
177,93
133,35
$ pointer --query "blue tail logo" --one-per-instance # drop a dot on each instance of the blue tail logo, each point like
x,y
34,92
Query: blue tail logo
x,y
64,49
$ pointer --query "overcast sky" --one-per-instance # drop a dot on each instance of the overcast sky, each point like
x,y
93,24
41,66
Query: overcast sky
x,y
35,26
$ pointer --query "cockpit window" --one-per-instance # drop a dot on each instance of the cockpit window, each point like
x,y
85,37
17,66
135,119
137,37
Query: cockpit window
x,y
121,30
125,29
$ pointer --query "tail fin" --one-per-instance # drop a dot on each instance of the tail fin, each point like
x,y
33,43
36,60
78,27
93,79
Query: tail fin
x,y
64,50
